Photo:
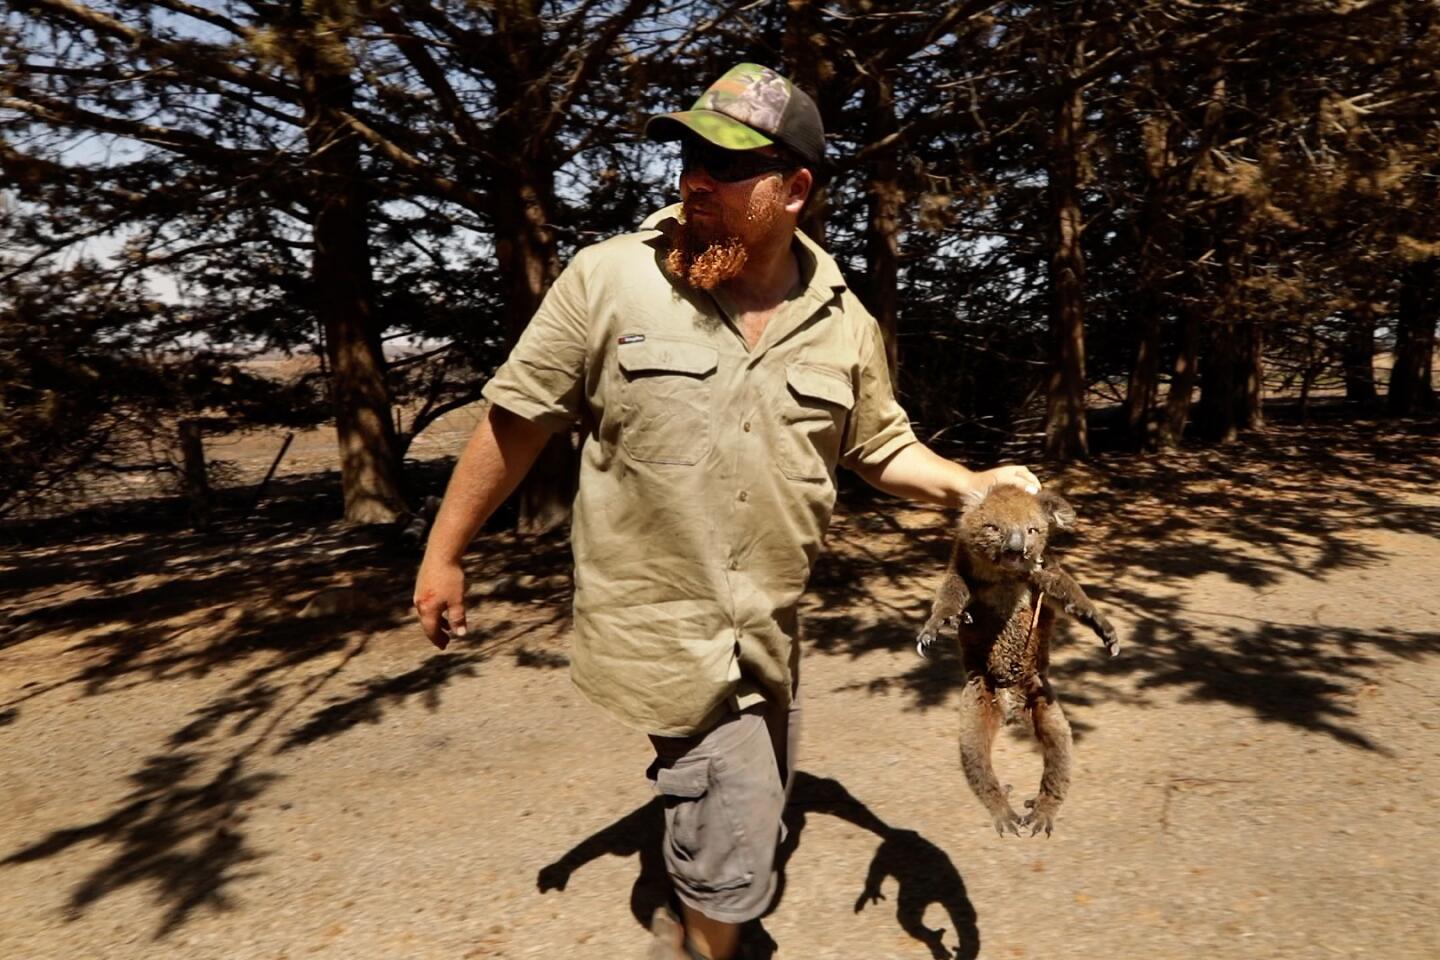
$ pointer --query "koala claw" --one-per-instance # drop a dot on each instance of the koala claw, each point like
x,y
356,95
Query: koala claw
x,y
923,641
1040,817
1111,640
1007,818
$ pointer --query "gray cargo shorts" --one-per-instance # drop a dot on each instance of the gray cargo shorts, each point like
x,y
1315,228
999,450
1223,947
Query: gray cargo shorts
x,y
724,793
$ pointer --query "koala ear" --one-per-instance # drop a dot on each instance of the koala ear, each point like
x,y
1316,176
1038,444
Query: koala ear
x,y
1061,514
971,498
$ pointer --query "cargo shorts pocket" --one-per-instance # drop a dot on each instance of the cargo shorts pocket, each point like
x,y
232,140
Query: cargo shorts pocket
x,y
705,847
812,420
665,398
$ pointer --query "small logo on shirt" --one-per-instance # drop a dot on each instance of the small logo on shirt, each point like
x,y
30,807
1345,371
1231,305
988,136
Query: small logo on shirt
x,y
633,338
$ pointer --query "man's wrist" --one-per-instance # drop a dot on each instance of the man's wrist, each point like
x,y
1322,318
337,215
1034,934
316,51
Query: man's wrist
x,y
966,484
441,552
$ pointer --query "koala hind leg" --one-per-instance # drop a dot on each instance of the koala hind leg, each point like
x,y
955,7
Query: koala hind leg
x,y
1053,732
979,719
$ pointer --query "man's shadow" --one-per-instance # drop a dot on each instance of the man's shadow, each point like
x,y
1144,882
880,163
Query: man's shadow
x,y
924,873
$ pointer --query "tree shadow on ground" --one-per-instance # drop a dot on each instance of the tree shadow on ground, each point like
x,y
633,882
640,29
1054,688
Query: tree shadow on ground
x,y
1285,505
131,604
276,588
178,831
924,874
244,599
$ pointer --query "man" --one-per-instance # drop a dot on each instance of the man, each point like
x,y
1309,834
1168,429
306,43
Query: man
x,y
719,370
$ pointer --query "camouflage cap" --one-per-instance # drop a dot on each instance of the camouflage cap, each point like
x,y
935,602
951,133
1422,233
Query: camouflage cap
x,y
750,106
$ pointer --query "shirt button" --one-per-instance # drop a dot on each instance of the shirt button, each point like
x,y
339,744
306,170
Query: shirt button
x,y
743,496
746,426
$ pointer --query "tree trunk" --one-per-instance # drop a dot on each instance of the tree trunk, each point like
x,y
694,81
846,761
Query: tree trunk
x,y
1066,434
1215,416
529,262
1231,376
1360,354
1308,373
525,248
194,476
1205,306
344,299
1153,244
1412,386
1182,381
810,62
1144,383
526,251
1226,364
882,235
1250,385
1249,396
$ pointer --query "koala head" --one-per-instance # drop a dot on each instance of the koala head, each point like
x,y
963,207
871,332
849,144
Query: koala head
x,y
1010,528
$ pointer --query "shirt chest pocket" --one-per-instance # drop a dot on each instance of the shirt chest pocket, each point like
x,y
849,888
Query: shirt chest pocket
x,y
665,399
812,420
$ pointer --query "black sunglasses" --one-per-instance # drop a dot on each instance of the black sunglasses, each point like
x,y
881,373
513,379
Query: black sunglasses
x,y
728,166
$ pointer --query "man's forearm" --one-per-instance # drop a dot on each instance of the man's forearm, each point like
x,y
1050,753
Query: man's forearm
x,y
494,461
916,472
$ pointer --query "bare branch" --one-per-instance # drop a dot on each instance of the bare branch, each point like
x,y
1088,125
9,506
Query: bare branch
x,y
435,79
589,63
202,13
203,58
422,172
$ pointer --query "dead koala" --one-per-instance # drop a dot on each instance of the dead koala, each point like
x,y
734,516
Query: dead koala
x,y
1004,597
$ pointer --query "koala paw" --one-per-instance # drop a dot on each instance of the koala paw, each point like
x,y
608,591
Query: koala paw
x,y
1003,816
1007,821
1041,815
1037,822
1111,639
931,631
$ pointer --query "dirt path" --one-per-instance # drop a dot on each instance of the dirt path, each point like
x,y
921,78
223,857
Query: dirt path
x,y
189,769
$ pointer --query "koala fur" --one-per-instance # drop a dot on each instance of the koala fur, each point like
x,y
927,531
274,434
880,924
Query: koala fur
x,y
1004,597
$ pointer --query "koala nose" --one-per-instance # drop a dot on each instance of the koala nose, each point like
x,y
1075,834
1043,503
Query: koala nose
x,y
1015,543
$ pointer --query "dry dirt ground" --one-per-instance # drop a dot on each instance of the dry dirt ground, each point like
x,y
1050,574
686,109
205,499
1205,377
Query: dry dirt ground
x,y
190,768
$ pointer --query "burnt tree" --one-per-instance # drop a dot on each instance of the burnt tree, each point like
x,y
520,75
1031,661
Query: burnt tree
x,y
1066,431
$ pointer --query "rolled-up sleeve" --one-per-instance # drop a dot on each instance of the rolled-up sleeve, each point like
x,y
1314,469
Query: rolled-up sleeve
x,y
543,378
877,427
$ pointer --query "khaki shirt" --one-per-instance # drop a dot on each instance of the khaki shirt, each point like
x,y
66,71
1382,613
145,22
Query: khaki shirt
x,y
707,470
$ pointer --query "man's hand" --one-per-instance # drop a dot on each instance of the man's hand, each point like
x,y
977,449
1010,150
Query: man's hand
x,y
1009,473
440,599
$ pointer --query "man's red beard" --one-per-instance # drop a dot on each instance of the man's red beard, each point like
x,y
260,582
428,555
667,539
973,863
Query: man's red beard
x,y
704,265
705,262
